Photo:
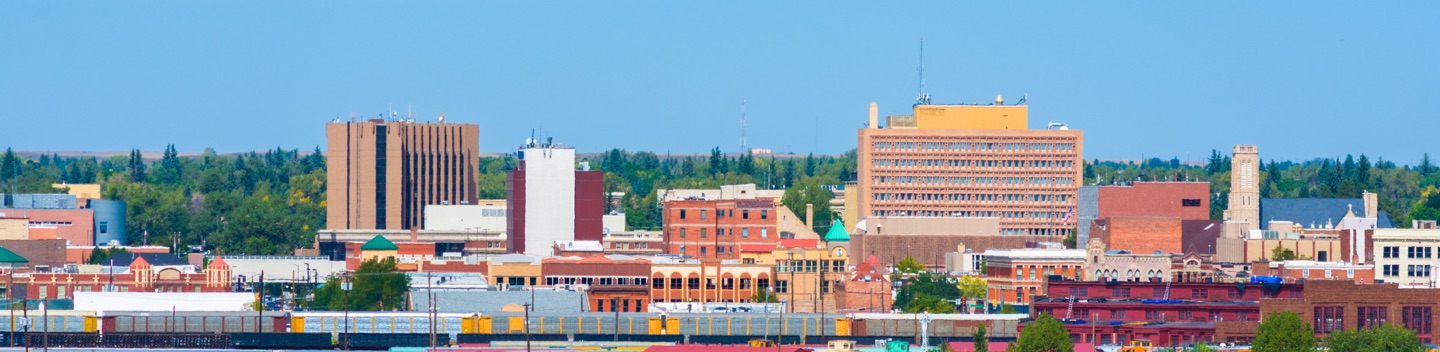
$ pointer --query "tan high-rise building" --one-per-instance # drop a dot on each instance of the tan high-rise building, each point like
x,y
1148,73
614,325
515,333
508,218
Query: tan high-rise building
x,y
1244,204
971,161
381,174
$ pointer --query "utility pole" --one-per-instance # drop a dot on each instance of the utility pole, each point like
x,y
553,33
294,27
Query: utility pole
x,y
345,286
527,326
780,336
260,309
614,304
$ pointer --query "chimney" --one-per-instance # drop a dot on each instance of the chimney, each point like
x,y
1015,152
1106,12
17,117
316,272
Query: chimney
x,y
810,215
1372,204
874,116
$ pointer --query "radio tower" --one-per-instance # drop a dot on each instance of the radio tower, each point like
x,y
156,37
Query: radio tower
x,y
742,127
922,99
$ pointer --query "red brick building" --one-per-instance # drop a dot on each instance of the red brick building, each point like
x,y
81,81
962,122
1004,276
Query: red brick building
x,y
1171,313
864,289
611,285
717,228
1186,200
141,277
1334,305
1144,235
1302,270
74,225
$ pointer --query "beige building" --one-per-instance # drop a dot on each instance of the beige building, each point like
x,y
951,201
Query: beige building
x,y
971,161
1407,256
83,192
381,174
1244,206
14,228
806,273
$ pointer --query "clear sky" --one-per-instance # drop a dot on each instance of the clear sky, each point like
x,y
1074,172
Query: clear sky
x,y
1301,79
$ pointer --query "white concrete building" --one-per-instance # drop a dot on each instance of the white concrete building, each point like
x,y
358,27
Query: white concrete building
x,y
1407,256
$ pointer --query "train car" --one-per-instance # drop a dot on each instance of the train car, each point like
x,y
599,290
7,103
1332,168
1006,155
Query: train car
x,y
192,321
50,320
384,322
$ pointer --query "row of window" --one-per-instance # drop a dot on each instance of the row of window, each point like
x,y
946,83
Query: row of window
x,y
1410,252
722,213
983,181
1164,293
597,280
810,266
971,197
1393,270
973,146
972,163
1329,319
725,283
705,233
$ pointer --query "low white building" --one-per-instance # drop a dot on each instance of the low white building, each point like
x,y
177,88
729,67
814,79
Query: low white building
x,y
1406,256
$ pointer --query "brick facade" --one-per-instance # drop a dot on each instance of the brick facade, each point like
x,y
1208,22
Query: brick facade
x,y
1139,234
930,249
1332,305
1186,200
717,228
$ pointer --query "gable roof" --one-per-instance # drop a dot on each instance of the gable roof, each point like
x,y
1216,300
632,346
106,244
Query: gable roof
x,y
379,243
155,259
1316,212
837,233
6,256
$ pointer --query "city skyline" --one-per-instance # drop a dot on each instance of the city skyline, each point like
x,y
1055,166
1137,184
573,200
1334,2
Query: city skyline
x,y
1177,80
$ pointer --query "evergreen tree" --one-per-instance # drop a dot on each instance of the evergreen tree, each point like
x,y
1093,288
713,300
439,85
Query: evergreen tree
x,y
1386,338
982,341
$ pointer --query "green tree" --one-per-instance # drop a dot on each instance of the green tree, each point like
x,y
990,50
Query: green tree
x,y
809,191
1006,308
764,296
927,293
378,286
982,340
1284,332
1280,253
1069,240
1045,334
1200,347
909,266
1387,338
971,288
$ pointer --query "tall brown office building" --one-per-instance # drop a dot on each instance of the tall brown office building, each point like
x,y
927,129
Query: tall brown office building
x,y
381,173
978,160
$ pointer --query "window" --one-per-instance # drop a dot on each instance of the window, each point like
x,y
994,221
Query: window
x,y
657,284
710,283
1329,319
1414,318
1190,202
745,214
782,286
1392,252
764,233
1158,294
704,233
1200,293
682,233
1392,270
702,251
762,283
693,283
104,227
1372,317
675,283
1080,292
43,294
745,283
702,214
764,214
727,283
1234,294
745,233
1418,270
1117,314
682,214
1120,292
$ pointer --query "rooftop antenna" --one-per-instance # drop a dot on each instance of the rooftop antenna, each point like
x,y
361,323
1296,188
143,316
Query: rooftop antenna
x,y
922,98
742,126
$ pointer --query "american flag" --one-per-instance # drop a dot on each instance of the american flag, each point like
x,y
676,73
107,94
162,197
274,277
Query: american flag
x,y
1068,215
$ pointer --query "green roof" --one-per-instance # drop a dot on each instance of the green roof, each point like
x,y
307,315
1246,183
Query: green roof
x,y
6,256
379,243
837,233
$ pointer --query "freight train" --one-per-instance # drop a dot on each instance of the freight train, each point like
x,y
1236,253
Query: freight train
x,y
1001,326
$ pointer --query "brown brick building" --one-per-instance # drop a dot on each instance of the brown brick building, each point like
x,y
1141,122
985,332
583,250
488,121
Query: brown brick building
x,y
1143,235
1334,305
864,289
717,228
970,161
612,285
381,174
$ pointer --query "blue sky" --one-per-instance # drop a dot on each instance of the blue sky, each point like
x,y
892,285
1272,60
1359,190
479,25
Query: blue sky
x,y
1301,79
